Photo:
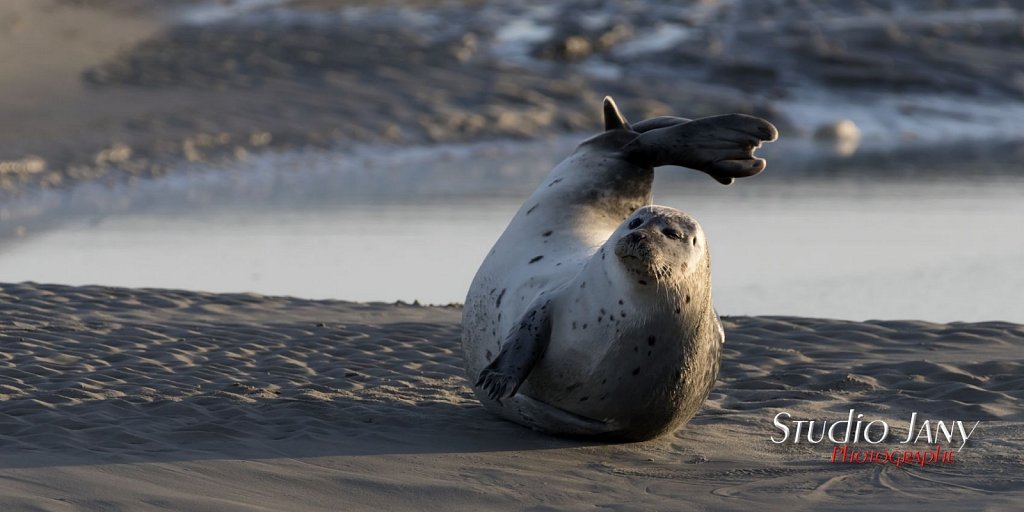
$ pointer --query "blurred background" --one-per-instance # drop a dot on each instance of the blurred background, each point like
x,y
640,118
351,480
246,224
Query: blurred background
x,y
373,151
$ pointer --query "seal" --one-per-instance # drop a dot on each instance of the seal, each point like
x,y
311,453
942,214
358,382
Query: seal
x,y
592,315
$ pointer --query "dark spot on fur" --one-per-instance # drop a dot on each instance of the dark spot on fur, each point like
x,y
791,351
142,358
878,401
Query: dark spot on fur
x,y
501,295
641,281
574,386
694,241
678,310
603,396
537,258
584,285
651,340
648,353
636,349
599,319
532,208
574,326
488,355
687,298
559,264
623,313
547,233
584,326
604,381
554,182
584,399
620,302
636,371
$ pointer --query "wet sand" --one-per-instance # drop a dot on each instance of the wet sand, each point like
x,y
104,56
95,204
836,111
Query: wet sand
x,y
144,399
133,90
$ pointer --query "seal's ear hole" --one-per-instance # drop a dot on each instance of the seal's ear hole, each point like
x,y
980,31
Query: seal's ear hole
x,y
693,241
672,233
635,223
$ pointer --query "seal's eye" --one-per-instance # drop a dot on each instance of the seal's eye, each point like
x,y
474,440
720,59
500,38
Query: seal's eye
x,y
635,223
673,234
694,241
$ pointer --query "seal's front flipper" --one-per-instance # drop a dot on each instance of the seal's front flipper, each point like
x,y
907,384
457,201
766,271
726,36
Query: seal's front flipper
x,y
522,348
721,146
548,418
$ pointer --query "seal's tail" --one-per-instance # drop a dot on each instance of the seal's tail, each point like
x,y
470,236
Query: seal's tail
x,y
613,119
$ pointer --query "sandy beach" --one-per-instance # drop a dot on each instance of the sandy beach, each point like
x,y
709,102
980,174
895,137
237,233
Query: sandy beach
x,y
142,399
345,149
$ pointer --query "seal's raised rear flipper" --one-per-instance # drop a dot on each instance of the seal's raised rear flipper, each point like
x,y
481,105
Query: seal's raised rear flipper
x,y
721,146
522,348
658,122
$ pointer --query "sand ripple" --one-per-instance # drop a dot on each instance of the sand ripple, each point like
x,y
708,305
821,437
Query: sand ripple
x,y
94,376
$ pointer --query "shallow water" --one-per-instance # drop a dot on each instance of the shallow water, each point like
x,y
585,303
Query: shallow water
x,y
310,225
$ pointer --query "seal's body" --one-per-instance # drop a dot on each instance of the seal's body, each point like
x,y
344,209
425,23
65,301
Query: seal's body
x,y
592,314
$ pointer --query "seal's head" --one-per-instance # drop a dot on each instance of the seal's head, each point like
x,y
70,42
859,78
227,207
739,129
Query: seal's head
x,y
660,245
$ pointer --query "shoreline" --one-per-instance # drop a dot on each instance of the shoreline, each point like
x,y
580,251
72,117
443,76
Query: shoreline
x,y
29,210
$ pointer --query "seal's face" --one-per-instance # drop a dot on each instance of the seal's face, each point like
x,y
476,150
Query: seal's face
x,y
659,244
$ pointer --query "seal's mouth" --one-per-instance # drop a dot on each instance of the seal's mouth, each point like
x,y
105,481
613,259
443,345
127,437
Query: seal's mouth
x,y
635,264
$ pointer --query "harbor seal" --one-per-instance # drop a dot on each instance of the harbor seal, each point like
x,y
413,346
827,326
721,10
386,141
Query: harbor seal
x,y
592,315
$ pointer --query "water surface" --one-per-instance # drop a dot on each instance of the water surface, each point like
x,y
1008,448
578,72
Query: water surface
x,y
416,226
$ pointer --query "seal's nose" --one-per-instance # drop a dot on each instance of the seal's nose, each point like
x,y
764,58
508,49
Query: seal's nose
x,y
636,237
